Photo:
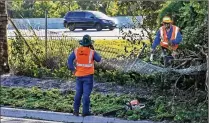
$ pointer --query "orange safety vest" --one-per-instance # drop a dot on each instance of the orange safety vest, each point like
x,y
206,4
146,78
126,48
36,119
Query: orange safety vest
x,y
164,38
84,61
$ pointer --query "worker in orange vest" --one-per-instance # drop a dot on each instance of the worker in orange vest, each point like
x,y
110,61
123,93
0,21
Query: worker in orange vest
x,y
168,36
84,58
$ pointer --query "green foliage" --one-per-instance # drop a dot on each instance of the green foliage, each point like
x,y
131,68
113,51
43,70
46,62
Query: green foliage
x,y
17,49
194,35
170,8
195,26
22,61
19,9
113,8
36,98
156,108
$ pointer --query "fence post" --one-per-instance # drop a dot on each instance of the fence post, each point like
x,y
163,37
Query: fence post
x,y
46,12
207,76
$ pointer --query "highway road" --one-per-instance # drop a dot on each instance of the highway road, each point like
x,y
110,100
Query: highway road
x,y
78,33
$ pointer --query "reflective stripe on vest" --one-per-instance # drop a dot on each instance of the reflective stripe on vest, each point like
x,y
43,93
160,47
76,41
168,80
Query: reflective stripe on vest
x,y
176,31
84,65
90,56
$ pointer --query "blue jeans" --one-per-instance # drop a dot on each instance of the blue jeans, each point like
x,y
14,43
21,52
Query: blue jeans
x,y
84,87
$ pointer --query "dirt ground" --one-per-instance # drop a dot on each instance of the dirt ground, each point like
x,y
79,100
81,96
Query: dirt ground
x,y
10,80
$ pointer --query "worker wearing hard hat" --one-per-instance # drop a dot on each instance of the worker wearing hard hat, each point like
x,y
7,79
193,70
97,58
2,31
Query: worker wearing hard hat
x,y
84,56
168,36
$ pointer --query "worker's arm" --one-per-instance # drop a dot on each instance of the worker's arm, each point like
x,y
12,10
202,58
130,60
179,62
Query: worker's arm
x,y
71,58
97,57
178,38
156,41
154,45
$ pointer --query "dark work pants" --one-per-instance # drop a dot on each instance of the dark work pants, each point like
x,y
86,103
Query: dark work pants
x,y
84,87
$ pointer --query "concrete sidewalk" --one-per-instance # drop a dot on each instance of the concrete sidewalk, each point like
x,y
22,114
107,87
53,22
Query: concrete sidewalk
x,y
59,117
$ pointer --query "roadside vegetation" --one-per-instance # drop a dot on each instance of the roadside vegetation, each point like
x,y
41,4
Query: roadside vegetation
x,y
24,62
158,107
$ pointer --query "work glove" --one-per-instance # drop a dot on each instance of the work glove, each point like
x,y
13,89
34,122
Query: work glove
x,y
151,57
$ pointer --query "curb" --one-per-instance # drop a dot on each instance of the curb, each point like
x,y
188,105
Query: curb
x,y
60,117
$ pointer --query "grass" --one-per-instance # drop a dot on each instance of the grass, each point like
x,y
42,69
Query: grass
x,y
54,100
157,108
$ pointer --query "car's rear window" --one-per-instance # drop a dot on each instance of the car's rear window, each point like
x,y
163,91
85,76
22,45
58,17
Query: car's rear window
x,y
88,15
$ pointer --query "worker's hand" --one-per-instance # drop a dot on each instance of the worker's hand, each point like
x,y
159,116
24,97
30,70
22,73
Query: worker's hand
x,y
151,57
170,43
73,72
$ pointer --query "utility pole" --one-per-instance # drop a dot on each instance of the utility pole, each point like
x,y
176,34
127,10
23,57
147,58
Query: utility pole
x,y
46,12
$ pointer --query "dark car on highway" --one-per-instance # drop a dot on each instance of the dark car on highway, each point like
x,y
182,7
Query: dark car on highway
x,y
88,20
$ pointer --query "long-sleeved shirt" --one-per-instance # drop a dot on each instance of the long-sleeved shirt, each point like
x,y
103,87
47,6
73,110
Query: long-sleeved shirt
x,y
71,58
169,34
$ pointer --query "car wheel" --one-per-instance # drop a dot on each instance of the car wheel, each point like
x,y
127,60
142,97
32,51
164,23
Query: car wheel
x,y
98,27
111,28
72,27
84,28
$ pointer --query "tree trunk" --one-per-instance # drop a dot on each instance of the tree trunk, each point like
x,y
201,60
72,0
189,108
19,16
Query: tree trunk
x,y
4,66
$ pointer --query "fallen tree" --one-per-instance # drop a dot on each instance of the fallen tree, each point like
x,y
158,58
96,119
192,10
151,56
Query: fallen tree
x,y
143,67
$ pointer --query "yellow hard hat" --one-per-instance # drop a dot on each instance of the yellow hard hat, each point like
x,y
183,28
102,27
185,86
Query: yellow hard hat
x,y
167,19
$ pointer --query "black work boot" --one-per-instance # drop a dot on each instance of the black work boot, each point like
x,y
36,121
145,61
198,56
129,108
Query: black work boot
x,y
76,113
